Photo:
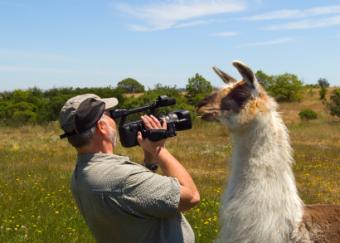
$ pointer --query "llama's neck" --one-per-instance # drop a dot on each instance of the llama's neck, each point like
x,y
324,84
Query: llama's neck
x,y
261,203
263,144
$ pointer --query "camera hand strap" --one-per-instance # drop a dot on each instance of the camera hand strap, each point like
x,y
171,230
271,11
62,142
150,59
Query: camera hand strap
x,y
158,134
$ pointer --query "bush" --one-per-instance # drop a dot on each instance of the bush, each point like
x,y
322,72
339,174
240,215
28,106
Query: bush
x,y
308,114
334,105
151,95
322,92
284,87
323,82
264,79
37,106
197,88
130,85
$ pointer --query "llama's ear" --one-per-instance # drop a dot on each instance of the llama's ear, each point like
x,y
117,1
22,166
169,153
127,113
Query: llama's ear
x,y
225,77
246,73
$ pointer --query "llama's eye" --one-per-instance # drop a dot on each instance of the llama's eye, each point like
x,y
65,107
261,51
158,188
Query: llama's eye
x,y
228,104
240,95
236,99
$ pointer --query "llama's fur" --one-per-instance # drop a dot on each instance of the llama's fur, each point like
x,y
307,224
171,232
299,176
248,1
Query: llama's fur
x,y
261,203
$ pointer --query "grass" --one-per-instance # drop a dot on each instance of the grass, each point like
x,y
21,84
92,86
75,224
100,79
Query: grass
x,y
35,167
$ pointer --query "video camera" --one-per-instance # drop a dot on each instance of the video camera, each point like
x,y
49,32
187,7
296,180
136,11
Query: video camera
x,y
176,121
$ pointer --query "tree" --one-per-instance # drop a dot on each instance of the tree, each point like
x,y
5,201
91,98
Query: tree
x,y
130,85
334,105
322,93
264,79
3,109
197,88
50,111
287,87
284,87
22,112
323,83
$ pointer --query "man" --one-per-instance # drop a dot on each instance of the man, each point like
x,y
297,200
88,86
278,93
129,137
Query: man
x,y
123,201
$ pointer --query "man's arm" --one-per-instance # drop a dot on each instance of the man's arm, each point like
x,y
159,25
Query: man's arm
x,y
171,167
189,195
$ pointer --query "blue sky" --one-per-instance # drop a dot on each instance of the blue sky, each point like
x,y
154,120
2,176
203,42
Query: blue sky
x,y
99,42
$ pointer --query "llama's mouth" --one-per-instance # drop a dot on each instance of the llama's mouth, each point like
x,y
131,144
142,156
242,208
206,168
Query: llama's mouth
x,y
209,116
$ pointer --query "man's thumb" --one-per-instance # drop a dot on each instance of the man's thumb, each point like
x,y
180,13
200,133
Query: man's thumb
x,y
139,137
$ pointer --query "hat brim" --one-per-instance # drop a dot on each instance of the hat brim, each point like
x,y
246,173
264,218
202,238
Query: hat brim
x,y
110,103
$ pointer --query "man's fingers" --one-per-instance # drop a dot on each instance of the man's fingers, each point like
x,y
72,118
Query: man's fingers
x,y
164,125
146,122
156,121
151,122
139,137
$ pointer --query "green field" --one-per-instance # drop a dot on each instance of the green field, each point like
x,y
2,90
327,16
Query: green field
x,y
35,168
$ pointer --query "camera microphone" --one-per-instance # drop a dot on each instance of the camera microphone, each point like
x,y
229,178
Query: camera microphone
x,y
164,100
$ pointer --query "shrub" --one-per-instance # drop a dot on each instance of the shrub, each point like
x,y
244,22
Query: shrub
x,y
308,114
322,93
197,88
130,85
334,105
37,106
284,87
323,83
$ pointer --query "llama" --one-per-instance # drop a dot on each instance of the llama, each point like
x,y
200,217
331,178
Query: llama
x,y
261,203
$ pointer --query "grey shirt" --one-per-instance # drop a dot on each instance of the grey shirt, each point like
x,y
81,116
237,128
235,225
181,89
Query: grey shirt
x,y
124,202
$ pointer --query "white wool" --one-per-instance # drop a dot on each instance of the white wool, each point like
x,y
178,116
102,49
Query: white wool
x,y
261,203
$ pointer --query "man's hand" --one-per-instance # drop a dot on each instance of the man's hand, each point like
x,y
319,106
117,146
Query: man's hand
x,y
150,148
156,152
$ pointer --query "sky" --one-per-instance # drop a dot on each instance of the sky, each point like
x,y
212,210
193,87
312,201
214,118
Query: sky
x,y
97,43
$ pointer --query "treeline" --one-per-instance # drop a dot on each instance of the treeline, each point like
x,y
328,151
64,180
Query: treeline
x,y
37,106
40,106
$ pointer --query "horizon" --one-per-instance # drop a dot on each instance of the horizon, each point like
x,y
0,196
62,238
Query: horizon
x,y
98,43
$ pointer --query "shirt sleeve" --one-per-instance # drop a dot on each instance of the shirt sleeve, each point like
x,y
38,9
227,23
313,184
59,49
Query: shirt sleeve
x,y
148,194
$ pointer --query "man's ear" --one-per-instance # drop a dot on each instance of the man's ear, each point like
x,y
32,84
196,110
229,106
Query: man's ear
x,y
101,127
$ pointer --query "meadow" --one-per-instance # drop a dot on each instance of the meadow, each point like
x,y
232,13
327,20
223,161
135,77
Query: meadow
x,y
36,204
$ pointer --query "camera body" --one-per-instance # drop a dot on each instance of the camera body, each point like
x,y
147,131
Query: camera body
x,y
176,121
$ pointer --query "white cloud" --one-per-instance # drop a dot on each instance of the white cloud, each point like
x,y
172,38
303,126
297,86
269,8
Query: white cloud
x,y
172,14
296,13
270,42
192,23
225,34
143,28
307,24
279,14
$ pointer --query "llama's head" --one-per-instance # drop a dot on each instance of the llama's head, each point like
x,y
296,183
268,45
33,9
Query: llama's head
x,y
239,102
